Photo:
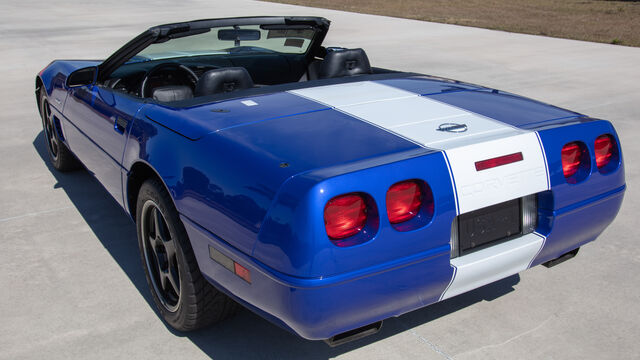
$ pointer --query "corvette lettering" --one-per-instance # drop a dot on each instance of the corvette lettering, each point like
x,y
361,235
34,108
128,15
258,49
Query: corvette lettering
x,y
502,182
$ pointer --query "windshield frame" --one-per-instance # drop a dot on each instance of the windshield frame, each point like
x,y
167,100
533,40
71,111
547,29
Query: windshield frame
x,y
162,32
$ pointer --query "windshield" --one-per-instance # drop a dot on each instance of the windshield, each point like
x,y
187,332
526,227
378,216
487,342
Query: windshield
x,y
229,40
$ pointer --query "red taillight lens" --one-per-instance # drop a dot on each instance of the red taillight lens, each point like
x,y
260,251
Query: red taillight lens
x,y
571,154
403,201
345,215
604,147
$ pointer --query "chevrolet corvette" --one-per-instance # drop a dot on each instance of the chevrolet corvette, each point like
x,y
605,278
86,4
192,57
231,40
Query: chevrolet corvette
x,y
264,169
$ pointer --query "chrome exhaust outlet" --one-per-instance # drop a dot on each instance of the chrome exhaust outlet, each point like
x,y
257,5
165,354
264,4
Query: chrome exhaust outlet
x,y
354,334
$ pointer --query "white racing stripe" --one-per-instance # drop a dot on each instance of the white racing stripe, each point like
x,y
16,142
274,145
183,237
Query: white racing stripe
x,y
408,114
479,189
418,118
492,264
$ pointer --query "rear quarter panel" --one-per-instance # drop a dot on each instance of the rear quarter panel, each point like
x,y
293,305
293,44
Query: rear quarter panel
x,y
294,241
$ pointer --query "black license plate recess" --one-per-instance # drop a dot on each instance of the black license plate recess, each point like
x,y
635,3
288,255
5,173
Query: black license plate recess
x,y
488,226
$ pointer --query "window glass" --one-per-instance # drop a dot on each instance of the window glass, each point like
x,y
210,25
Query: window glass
x,y
230,40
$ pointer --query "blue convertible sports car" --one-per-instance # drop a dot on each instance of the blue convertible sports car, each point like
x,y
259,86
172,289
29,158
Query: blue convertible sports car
x,y
324,194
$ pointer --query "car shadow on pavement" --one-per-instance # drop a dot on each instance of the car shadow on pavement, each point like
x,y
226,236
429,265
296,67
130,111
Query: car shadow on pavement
x,y
245,336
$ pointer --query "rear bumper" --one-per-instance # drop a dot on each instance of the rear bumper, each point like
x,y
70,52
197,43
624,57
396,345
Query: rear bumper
x,y
575,225
319,308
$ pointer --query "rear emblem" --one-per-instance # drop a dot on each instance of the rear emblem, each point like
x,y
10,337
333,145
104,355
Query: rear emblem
x,y
452,127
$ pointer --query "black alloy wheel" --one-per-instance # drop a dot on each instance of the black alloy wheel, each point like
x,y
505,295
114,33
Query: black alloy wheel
x,y
49,129
159,250
183,297
61,158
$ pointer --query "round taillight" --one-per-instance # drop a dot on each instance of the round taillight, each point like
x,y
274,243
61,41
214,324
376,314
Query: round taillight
x,y
345,216
403,201
604,147
571,155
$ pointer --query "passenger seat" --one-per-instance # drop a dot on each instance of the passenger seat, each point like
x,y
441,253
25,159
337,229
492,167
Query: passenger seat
x,y
339,63
223,80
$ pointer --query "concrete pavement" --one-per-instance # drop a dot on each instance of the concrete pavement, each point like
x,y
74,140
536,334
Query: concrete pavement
x,y
71,280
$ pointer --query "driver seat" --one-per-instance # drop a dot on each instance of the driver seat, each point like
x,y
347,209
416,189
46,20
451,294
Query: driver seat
x,y
218,81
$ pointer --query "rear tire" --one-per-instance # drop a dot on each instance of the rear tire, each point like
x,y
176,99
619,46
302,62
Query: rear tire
x,y
184,298
60,156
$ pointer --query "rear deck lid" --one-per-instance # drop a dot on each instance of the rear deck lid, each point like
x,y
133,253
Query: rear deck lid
x,y
197,121
465,138
196,117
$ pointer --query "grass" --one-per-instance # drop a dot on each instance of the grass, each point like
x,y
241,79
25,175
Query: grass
x,y
613,22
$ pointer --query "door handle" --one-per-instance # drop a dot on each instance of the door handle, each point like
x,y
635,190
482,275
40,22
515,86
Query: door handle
x,y
121,124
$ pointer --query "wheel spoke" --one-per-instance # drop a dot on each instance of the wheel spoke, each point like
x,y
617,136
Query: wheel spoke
x,y
158,263
152,241
153,244
151,225
46,112
159,225
173,278
54,145
164,279
170,248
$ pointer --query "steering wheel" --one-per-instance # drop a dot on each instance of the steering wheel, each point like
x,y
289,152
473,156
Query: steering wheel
x,y
183,72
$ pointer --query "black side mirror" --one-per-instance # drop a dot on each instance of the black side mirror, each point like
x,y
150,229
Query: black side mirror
x,y
82,77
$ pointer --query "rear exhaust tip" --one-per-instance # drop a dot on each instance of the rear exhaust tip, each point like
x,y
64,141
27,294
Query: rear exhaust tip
x,y
354,334
562,258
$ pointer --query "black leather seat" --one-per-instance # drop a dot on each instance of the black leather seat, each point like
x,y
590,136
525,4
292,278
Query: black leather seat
x,y
223,80
172,93
339,63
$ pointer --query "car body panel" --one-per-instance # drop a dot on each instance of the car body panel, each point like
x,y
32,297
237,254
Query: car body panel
x,y
300,246
198,121
243,194
99,117
54,75
507,108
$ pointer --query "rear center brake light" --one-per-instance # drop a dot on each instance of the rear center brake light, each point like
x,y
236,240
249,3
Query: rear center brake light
x,y
498,161
571,154
345,216
403,201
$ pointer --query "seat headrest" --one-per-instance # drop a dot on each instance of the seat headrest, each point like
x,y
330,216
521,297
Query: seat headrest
x,y
223,80
345,62
172,93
